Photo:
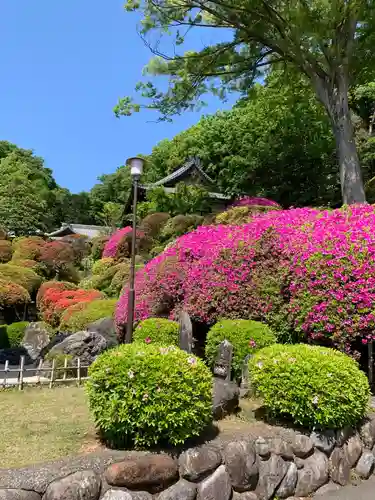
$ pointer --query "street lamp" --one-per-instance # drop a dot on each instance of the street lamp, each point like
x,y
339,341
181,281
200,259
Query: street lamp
x,y
136,167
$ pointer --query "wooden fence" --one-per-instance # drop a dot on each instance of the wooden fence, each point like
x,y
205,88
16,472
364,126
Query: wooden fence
x,y
44,374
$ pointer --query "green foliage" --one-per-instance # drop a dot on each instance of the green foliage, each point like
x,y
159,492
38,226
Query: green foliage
x,y
60,360
111,214
157,330
240,215
100,266
145,395
98,244
77,318
179,225
246,336
153,223
5,251
186,199
21,275
312,386
15,333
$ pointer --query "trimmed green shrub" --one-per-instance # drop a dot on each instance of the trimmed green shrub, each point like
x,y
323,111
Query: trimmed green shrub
x,y
246,336
100,266
179,225
310,385
152,224
5,251
21,275
15,333
145,395
77,317
121,278
159,330
12,294
97,246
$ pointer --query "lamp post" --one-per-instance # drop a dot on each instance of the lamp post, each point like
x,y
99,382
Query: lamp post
x,y
136,168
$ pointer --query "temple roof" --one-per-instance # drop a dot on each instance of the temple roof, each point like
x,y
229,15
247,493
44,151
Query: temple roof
x,y
84,229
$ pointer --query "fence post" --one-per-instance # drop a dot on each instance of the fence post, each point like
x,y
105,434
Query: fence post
x,y
79,371
38,370
65,367
52,373
6,368
20,377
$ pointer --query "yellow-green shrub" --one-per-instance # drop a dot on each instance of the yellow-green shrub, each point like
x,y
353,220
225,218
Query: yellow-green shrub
x,y
77,317
21,275
157,330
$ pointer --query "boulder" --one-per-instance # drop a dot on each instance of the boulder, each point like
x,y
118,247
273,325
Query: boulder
x,y
183,490
365,465
84,345
342,435
327,488
56,339
151,473
197,463
280,447
271,474
339,467
35,339
216,487
313,475
247,495
353,450
106,328
302,445
242,465
367,432
225,398
11,494
324,441
80,485
263,448
288,484
116,495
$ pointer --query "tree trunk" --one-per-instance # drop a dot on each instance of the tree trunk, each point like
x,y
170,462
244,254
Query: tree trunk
x,y
335,100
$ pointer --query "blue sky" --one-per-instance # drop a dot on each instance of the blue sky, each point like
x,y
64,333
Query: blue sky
x,y
64,66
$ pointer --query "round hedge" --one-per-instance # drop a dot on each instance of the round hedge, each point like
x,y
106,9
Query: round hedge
x,y
159,330
5,251
27,247
56,285
100,266
21,275
313,386
144,395
246,336
15,333
97,246
12,294
77,317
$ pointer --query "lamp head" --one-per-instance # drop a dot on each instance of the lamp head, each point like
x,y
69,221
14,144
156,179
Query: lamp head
x,y
136,166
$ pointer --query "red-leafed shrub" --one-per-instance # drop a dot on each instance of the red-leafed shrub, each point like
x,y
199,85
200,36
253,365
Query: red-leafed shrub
x,y
12,294
55,302
309,274
27,247
5,251
55,285
110,247
56,256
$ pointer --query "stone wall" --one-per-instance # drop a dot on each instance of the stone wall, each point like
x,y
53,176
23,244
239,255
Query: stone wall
x,y
294,465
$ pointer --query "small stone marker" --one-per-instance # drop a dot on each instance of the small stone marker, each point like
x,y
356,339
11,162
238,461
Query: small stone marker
x,y
245,381
186,332
223,364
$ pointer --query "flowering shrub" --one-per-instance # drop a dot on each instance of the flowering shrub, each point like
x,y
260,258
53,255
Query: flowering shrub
x,y
56,302
110,247
21,275
55,285
255,201
97,246
12,294
56,256
5,251
77,317
309,274
246,336
158,330
144,395
313,386
27,247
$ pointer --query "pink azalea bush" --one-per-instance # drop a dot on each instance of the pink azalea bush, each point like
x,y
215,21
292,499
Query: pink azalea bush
x,y
251,201
308,273
110,247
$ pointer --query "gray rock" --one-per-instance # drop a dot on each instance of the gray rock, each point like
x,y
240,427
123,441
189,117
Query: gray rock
x,y
13,494
339,467
225,398
302,445
116,495
271,473
197,463
216,487
35,339
342,435
262,447
365,465
353,450
300,462
183,490
324,441
327,488
247,495
84,345
367,432
84,485
241,462
288,484
140,495
106,328
280,447
313,475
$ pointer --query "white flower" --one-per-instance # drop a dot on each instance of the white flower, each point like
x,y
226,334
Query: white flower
x,y
260,364
130,374
192,361
315,400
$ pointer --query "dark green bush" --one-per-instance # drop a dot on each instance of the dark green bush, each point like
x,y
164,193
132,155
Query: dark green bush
x,y
15,333
152,224
159,330
310,385
246,336
144,395
179,225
